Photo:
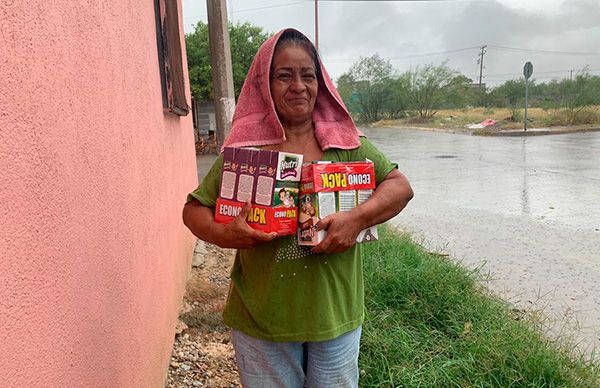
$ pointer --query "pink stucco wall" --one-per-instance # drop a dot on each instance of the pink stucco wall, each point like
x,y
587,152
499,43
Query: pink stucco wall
x,y
93,176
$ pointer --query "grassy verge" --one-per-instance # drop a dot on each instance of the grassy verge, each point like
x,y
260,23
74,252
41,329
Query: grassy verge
x,y
430,324
506,118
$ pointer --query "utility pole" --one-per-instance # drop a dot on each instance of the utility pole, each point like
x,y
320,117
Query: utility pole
x,y
571,76
480,62
317,24
222,73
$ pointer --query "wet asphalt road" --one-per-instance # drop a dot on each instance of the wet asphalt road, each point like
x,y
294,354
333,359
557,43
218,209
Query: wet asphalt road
x,y
526,209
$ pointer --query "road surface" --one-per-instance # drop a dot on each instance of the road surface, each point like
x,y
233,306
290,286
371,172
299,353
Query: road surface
x,y
525,209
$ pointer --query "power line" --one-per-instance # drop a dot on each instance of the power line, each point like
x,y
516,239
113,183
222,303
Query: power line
x,y
522,50
392,1
255,9
513,49
340,60
270,6
539,72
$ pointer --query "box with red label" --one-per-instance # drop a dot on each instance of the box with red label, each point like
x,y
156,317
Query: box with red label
x,y
269,180
327,188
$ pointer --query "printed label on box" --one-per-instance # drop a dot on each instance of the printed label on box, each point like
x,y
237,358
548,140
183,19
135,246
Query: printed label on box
x,y
269,180
327,188
369,234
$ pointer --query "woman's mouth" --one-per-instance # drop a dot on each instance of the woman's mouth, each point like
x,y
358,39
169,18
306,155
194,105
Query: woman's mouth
x,y
297,101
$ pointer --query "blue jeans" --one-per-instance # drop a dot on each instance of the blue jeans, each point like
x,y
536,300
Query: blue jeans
x,y
267,364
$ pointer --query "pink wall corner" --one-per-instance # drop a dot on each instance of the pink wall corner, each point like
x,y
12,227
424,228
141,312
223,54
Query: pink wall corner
x,y
94,177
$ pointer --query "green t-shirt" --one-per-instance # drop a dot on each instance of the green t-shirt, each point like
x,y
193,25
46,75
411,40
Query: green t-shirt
x,y
282,292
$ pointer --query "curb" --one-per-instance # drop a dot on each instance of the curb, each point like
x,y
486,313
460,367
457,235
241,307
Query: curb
x,y
534,132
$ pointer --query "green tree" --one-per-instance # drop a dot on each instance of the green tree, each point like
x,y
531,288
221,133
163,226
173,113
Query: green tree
x,y
429,86
460,93
511,93
577,94
345,87
198,58
245,41
398,97
365,87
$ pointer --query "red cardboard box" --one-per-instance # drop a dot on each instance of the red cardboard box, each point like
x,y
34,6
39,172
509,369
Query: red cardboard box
x,y
269,180
327,188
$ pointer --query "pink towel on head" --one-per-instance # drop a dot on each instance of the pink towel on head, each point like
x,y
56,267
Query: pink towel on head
x,y
255,121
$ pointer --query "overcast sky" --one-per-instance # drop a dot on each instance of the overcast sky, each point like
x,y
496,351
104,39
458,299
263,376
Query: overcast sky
x,y
564,35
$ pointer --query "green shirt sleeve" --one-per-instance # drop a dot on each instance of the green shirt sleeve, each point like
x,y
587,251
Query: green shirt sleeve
x,y
208,191
383,166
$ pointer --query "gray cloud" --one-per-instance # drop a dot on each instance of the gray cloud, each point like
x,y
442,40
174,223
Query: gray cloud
x,y
396,30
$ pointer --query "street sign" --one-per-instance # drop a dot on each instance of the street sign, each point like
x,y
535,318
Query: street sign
x,y
528,70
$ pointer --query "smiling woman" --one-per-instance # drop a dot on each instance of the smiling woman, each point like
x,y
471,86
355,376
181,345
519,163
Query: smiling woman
x,y
293,85
296,313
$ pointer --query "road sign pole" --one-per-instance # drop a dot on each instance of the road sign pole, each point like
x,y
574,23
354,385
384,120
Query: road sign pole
x,y
527,72
526,100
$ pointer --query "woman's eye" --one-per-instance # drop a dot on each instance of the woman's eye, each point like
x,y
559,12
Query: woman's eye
x,y
284,76
309,77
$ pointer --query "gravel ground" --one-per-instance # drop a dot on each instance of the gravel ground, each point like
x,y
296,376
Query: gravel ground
x,y
202,353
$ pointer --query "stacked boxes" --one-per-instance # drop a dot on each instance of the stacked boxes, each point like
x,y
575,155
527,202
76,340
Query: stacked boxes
x,y
327,188
269,180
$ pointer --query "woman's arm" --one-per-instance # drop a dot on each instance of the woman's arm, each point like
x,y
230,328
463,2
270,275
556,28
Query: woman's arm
x,y
237,234
391,196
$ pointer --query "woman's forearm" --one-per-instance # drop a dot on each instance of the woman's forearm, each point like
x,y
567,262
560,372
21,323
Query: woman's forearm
x,y
391,196
200,221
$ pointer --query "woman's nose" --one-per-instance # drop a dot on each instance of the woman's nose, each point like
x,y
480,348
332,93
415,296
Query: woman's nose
x,y
297,84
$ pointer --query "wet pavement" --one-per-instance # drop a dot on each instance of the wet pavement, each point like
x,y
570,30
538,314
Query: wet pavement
x,y
526,210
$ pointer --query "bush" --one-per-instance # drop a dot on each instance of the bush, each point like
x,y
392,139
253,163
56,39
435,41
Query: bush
x,y
564,117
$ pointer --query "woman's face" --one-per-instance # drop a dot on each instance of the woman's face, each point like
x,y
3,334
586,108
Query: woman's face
x,y
294,84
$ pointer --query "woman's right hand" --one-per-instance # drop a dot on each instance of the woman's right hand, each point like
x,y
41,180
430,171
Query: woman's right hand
x,y
241,235
236,234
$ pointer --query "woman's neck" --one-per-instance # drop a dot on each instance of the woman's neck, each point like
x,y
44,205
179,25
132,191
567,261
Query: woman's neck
x,y
301,139
298,133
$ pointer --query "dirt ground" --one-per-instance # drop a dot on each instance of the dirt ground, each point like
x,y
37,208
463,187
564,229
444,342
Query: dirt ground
x,y
202,354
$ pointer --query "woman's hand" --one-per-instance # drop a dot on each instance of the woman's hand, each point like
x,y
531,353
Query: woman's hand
x,y
390,197
237,234
241,235
342,229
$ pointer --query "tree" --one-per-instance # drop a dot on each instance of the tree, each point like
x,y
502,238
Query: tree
x,y
429,86
460,93
398,97
364,87
198,58
245,41
577,94
511,93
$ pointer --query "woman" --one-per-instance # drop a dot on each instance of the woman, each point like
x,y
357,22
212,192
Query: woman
x,y
296,313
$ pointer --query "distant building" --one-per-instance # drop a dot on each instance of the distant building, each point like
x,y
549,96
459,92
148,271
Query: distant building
x,y
475,86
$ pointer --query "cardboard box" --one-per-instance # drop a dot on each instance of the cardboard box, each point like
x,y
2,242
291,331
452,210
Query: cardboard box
x,y
327,188
269,180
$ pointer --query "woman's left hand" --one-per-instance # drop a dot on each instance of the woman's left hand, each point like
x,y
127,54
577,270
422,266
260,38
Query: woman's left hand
x,y
390,197
342,229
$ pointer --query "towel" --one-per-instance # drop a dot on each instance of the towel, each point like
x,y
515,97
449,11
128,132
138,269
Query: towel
x,y
255,121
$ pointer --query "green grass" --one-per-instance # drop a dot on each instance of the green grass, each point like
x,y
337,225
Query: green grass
x,y
506,118
430,323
